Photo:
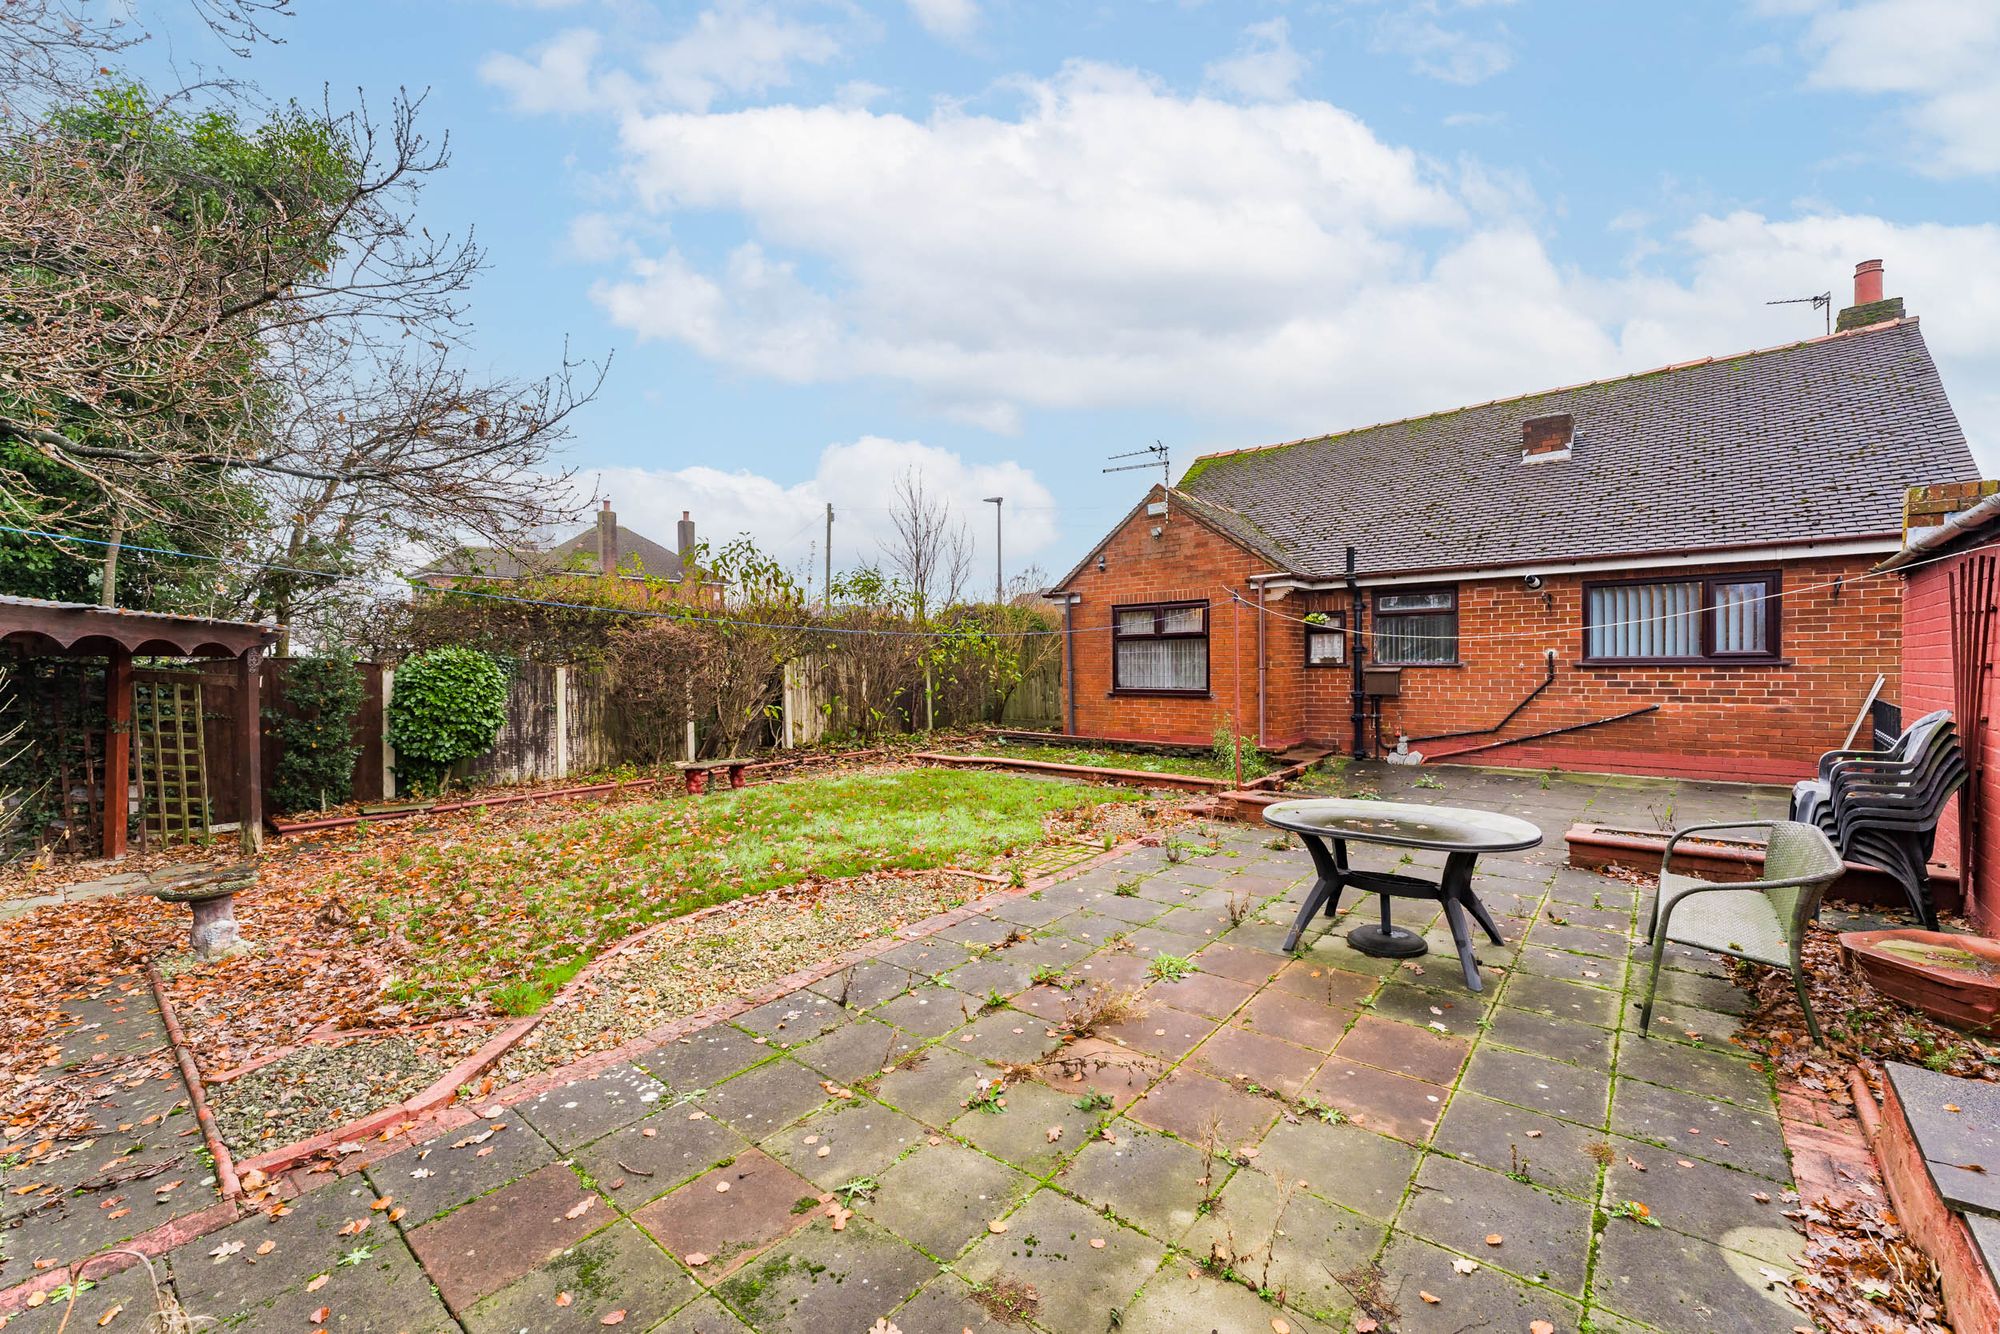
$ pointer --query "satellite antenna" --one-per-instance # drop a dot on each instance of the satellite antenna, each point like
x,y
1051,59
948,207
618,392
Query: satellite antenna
x,y
1824,301
1154,455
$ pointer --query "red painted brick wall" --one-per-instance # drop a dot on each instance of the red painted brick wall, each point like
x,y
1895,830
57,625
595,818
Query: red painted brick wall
x,y
1929,665
1765,723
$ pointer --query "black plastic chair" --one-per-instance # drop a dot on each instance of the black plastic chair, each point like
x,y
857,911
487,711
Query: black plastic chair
x,y
1881,808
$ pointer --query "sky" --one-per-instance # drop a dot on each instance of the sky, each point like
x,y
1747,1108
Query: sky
x,y
826,243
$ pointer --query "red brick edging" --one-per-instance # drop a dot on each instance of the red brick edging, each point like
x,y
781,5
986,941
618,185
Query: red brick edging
x,y
1969,1294
435,1109
225,1170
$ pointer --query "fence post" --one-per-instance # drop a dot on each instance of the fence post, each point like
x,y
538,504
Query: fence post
x,y
388,751
562,720
785,710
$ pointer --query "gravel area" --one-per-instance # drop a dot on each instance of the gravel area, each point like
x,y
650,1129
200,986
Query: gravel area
x,y
700,962
325,1085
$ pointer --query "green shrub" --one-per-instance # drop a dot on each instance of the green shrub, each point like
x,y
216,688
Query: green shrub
x,y
1228,745
447,706
316,733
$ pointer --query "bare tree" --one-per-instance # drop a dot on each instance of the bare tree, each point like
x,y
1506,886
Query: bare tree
x,y
176,343
50,50
929,548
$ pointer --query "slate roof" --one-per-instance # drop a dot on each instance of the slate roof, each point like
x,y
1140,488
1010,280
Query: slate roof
x,y
578,553
1811,441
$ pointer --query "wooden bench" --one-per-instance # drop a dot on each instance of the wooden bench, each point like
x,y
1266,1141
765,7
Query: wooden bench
x,y
694,773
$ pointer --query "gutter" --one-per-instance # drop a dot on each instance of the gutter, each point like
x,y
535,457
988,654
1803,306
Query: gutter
x,y
1932,539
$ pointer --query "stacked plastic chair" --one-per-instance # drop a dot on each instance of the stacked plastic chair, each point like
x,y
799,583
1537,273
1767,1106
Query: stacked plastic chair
x,y
1881,808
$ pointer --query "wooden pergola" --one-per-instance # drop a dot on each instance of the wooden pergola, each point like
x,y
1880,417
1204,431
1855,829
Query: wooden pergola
x,y
31,627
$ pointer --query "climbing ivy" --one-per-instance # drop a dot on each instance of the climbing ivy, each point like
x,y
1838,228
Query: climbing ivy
x,y
448,705
316,733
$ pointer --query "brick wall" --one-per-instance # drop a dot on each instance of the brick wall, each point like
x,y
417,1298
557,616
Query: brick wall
x,y
1929,665
1762,722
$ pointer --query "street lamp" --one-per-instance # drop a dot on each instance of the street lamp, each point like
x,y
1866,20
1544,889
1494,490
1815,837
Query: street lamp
x,y
998,591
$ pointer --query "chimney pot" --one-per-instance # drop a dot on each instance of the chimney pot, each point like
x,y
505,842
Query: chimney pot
x,y
1867,282
1547,437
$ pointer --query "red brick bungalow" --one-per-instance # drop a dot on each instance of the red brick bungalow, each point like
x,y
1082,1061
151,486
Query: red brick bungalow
x,y
1950,567
1665,573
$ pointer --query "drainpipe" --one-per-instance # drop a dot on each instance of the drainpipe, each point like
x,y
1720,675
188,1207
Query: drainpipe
x,y
1357,695
1263,667
1069,657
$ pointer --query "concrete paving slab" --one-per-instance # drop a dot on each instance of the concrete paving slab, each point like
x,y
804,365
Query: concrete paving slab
x,y
1201,1303
730,1213
498,1238
857,1050
1486,1298
1956,1123
1678,1282
767,1097
1351,1166
932,1086
618,1269
1380,1100
702,1059
445,1172
648,1158
1037,1130
1549,1152
1198,1108
1152,1181
573,1114
820,1280
941,1197
1701,1127
1572,1092
1243,1057
1405,1048
1048,1245
1545,1237
845,1143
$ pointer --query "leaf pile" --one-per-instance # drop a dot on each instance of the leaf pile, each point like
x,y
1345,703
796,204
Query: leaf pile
x,y
1862,1275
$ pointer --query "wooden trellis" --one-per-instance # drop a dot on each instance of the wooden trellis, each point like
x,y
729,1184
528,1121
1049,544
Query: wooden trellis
x,y
173,758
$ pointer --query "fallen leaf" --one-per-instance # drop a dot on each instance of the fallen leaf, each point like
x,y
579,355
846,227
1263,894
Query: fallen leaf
x,y
1540,1327
562,1299
1462,1266
319,1317
581,1207
110,1315
318,1283
1429,1298
381,1204
1097,1243
266,1247
1494,1239
695,1259
1366,1325
612,1318
997,1225
1054,1133
353,1227
1278,1326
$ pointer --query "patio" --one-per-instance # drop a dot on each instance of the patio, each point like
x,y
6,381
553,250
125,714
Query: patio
x,y
828,1162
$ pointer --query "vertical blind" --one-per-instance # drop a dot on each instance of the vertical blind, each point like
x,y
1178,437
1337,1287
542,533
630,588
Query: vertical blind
x,y
1646,621
1743,617
1416,628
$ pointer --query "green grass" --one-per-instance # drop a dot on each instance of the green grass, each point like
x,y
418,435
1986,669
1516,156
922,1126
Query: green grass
x,y
512,915
1201,766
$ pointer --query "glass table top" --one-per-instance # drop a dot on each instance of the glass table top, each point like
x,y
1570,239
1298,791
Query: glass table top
x,y
1452,828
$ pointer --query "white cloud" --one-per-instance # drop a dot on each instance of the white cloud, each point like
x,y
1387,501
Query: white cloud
x,y
952,20
787,518
1941,56
1442,42
1265,68
736,48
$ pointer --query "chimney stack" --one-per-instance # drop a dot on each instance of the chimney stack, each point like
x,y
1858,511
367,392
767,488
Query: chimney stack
x,y
684,533
1547,438
1870,307
607,540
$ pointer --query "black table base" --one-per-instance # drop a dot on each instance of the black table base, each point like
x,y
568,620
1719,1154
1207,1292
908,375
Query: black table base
x,y
1385,939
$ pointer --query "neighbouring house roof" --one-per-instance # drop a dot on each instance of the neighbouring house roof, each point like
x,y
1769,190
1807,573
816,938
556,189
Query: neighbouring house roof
x,y
637,555
1812,441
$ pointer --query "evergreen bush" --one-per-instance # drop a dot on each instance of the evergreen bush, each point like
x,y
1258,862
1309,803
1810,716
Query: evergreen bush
x,y
316,733
447,706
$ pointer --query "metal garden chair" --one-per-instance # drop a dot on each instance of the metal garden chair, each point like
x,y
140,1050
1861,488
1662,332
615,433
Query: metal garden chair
x,y
1761,920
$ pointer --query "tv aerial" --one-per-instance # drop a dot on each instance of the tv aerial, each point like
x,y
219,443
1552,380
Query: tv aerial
x,y
1824,301
1152,456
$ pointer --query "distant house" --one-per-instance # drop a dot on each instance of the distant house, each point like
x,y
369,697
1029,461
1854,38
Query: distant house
x,y
1664,573
607,550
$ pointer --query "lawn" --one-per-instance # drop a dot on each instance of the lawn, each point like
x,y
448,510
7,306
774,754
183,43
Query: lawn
x,y
512,918
1255,765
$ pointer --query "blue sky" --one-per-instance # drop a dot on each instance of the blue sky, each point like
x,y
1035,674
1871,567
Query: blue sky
x,y
999,241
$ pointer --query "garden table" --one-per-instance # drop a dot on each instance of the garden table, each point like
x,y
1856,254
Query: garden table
x,y
1327,825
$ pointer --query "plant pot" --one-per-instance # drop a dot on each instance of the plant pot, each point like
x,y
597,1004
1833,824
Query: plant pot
x,y
1953,979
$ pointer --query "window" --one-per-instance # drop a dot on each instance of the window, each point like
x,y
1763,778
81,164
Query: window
x,y
1733,617
1160,649
1326,640
1417,627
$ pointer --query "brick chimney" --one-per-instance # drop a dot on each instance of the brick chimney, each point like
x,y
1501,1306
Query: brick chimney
x,y
1869,305
1925,507
684,541
607,540
1546,439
